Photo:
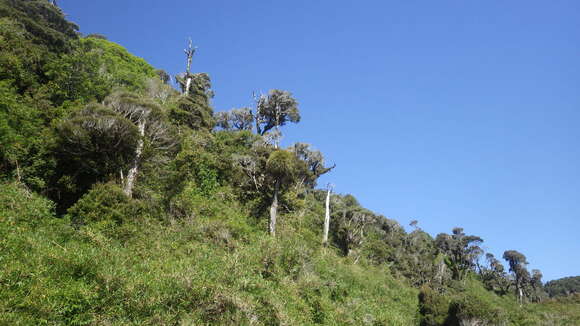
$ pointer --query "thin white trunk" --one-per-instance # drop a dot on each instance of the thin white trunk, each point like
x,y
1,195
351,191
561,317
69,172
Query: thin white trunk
x,y
187,86
274,209
132,174
327,218
18,171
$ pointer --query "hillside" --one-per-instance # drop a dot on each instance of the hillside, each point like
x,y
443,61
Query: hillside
x,y
127,201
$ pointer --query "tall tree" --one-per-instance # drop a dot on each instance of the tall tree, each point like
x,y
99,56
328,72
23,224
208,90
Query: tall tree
x,y
462,251
517,262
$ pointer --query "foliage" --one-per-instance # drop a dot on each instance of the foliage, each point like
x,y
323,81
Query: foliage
x,y
194,110
104,203
563,286
20,129
434,307
21,207
93,69
44,22
462,251
275,110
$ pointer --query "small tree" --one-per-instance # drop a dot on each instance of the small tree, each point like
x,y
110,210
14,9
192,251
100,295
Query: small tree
x,y
281,167
314,163
235,119
149,120
494,275
93,145
275,110
538,292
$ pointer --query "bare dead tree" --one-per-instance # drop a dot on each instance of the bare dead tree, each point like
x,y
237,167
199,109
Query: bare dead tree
x,y
189,52
327,215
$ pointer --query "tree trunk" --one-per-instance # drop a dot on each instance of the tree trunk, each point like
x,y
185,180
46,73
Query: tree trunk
x,y
132,174
18,171
187,85
274,209
327,218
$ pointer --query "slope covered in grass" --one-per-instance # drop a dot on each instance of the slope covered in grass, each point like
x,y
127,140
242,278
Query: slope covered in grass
x,y
219,270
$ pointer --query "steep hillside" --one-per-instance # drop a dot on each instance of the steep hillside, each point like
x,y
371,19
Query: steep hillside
x,y
127,201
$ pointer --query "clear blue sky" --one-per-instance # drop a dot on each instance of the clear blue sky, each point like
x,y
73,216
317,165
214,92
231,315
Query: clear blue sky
x,y
454,113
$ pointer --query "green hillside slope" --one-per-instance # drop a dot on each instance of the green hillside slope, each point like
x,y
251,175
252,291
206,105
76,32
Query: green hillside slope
x,y
127,201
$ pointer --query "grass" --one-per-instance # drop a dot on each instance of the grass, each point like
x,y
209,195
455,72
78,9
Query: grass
x,y
219,270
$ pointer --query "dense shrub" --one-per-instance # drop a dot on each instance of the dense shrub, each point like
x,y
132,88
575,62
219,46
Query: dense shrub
x,y
471,310
433,306
106,209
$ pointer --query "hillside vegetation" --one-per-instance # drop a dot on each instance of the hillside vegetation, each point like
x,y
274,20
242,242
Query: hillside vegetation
x,y
127,201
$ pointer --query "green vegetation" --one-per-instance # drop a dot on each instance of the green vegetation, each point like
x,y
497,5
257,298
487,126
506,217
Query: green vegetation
x,y
126,202
564,286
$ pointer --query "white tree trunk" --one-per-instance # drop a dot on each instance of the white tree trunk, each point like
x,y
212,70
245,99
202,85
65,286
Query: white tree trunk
x,y
187,86
274,209
327,218
132,174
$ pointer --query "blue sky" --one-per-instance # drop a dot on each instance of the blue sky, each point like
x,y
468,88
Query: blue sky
x,y
454,113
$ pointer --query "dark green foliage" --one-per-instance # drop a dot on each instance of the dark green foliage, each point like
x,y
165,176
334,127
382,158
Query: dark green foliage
x,y
94,145
44,22
20,126
186,112
563,286
194,110
32,34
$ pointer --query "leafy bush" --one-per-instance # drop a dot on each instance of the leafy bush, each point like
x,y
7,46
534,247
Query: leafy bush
x,y
104,207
